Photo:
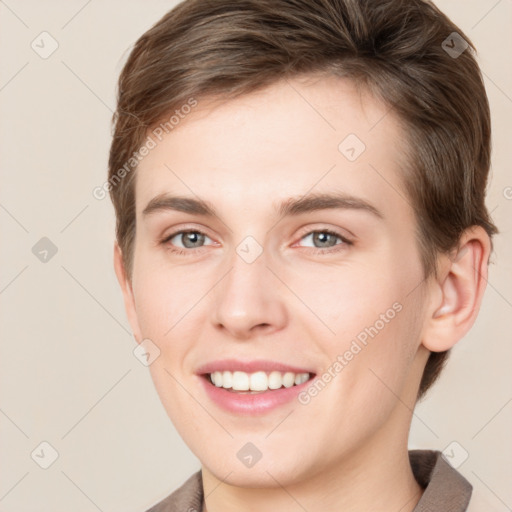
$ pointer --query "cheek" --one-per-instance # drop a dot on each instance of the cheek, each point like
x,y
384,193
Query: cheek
x,y
347,299
164,295
373,319
378,354
351,296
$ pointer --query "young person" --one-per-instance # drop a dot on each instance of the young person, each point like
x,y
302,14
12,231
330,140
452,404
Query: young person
x,y
301,238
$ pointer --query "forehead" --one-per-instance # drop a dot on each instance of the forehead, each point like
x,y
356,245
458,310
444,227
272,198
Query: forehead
x,y
306,134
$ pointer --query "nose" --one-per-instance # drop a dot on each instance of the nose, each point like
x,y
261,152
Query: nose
x,y
249,300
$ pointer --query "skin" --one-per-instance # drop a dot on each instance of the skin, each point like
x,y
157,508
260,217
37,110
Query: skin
x,y
347,448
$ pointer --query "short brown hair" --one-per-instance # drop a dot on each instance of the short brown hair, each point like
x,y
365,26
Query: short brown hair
x,y
399,50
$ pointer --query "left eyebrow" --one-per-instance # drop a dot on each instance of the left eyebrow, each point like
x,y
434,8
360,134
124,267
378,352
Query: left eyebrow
x,y
290,207
324,201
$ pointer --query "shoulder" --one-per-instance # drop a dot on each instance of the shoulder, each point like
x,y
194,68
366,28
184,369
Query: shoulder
x,y
186,498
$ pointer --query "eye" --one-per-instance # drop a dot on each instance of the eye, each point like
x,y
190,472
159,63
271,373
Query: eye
x,y
326,239
180,240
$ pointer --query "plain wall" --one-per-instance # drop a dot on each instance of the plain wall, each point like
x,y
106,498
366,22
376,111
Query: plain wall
x,y
68,376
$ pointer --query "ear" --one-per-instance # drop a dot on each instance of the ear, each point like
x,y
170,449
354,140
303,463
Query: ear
x,y
458,291
126,288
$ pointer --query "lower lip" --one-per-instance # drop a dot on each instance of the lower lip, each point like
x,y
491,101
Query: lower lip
x,y
251,404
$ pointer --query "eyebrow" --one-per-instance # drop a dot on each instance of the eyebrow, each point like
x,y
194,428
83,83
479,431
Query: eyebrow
x,y
290,207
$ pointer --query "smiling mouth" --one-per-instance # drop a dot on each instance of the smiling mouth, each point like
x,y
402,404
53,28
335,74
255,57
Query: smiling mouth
x,y
257,382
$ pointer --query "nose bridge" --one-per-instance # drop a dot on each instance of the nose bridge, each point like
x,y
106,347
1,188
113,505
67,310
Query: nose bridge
x,y
249,295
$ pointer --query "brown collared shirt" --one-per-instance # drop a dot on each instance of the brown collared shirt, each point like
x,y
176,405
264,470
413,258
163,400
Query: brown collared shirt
x,y
446,490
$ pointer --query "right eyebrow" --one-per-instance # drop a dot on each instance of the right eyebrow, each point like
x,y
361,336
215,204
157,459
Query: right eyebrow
x,y
163,202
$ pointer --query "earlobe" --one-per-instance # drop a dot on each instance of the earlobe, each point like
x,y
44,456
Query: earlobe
x,y
458,291
127,290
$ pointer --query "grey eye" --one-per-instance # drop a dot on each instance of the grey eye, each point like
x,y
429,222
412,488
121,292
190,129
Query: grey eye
x,y
323,238
189,239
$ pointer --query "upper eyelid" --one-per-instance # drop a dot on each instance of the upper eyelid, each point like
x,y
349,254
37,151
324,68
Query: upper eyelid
x,y
183,231
186,229
337,231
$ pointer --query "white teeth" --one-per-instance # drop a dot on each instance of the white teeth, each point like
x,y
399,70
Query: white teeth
x,y
258,381
275,380
240,381
227,380
288,379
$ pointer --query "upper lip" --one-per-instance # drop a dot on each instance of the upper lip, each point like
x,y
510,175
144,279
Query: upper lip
x,y
249,366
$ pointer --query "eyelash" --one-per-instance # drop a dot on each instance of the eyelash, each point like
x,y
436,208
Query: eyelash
x,y
314,250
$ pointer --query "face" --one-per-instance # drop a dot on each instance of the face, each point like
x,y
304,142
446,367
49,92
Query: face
x,y
304,256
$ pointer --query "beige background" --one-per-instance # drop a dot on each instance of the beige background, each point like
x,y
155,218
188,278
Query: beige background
x,y
68,374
